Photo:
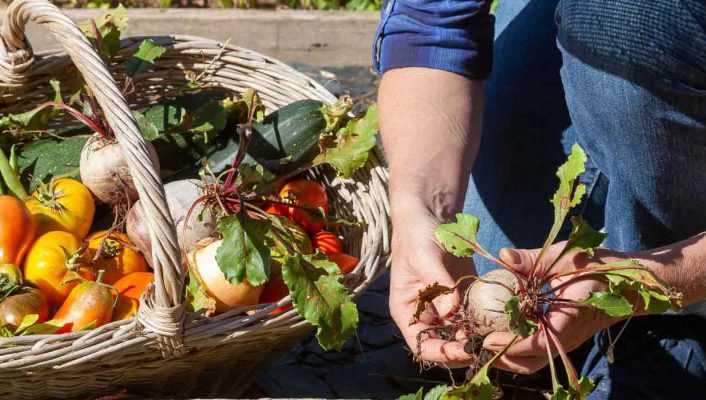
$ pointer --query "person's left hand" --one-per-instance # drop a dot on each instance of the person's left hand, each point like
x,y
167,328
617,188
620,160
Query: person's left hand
x,y
570,325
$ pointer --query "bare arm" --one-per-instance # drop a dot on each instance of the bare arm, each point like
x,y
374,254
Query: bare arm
x,y
430,122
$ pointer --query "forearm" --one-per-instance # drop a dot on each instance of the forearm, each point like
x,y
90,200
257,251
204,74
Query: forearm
x,y
430,122
681,265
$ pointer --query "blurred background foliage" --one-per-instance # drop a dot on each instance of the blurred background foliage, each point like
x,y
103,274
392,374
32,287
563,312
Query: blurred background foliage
x,y
353,5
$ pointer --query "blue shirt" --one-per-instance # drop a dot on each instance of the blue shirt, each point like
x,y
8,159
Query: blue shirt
x,y
451,35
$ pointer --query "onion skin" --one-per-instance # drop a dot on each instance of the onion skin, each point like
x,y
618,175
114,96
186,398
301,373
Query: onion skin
x,y
181,195
485,302
202,262
105,172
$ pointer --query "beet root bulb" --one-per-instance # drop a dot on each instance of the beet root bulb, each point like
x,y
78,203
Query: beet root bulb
x,y
485,301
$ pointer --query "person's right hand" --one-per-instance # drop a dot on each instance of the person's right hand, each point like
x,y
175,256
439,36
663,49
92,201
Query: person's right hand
x,y
417,262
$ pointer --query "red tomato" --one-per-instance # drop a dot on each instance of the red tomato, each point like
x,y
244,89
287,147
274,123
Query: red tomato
x,y
308,194
276,209
274,291
328,243
346,263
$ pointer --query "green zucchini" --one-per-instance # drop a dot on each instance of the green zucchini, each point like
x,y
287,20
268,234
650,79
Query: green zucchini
x,y
289,137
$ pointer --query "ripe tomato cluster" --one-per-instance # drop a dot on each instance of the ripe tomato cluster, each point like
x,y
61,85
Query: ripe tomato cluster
x,y
53,269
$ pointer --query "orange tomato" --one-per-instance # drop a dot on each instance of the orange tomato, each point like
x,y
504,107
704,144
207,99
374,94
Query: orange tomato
x,y
328,243
310,195
126,308
117,258
89,305
54,260
346,263
275,290
17,230
132,285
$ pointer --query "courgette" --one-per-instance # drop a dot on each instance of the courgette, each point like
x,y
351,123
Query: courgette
x,y
290,135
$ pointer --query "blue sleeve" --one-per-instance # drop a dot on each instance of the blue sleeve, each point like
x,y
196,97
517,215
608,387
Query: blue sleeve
x,y
451,35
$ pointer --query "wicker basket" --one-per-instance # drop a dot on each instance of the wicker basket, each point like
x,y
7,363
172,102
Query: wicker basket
x,y
166,350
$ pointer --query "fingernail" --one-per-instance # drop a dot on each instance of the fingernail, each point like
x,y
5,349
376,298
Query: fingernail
x,y
510,256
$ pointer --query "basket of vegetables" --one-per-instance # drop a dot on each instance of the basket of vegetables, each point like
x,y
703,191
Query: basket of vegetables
x,y
175,210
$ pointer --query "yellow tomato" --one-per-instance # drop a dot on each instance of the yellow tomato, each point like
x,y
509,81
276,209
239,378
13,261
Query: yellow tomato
x,y
63,205
53,262
117,257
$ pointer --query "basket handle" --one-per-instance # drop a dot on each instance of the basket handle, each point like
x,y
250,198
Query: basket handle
x,y
161,309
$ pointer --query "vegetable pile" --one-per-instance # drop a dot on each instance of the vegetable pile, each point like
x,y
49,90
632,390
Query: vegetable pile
x,y
507,300
252,225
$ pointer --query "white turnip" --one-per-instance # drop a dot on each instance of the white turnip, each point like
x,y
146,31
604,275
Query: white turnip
x,y
105,172
485,301
181,196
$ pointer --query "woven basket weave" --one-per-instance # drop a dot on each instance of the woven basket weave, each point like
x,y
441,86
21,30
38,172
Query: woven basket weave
x,y
166,350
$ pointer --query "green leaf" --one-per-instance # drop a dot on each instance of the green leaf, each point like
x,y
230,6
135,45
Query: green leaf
x,y
197,299
250,177
27,321
44,328
561,394
147,128
656,296
110,26
56,86
413,396
144,58
479,386
41,160
585,388
240,107
612,304
7,286
583,237
209,118
348,150
319,297
436,392
244,255
569,193
6,332
459,238
518,323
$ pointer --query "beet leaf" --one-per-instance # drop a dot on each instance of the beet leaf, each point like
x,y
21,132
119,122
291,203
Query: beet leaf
x,y
319,296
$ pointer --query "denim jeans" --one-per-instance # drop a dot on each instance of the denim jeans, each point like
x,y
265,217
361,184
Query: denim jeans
x,y
646,179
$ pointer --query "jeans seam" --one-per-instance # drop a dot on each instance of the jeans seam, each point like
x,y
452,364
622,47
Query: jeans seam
x,y
590,189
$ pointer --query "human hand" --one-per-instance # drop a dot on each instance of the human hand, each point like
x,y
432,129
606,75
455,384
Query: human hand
x,y
569,325
417,261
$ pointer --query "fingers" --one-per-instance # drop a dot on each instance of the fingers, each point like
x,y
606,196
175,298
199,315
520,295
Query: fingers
x,y
521,365
523,260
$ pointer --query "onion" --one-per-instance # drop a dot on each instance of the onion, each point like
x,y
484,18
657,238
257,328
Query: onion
x,y
485,302
181,195
105,172
204,267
